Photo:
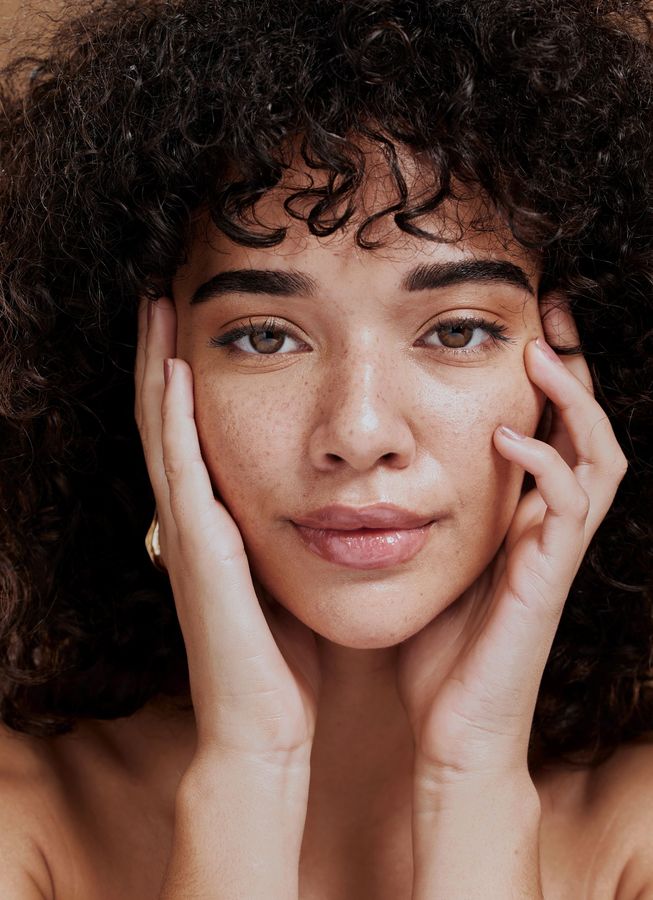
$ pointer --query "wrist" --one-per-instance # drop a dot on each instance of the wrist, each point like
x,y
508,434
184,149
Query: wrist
x,y
435,789
238,829
275,777
477,838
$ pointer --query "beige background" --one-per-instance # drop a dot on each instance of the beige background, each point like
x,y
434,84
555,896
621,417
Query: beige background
x,y
8,7
14,18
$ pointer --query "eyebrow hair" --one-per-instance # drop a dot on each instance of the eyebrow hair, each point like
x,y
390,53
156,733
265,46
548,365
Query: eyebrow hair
x,y
255,281
436,275
424,277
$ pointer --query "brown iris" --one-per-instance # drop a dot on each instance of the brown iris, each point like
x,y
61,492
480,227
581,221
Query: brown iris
x,y
265,341
459,335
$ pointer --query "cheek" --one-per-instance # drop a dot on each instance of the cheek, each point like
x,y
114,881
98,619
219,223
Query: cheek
x,y
254,444
246,442
486,487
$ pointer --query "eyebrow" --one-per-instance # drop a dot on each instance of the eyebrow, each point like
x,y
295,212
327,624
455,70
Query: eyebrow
x,y
437,275
255,281
430,276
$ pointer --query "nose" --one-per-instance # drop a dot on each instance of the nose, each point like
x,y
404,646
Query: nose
x,y
362,417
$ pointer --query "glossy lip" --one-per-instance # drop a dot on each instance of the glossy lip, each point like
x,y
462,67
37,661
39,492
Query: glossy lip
x,y
366,537
371,548
349,518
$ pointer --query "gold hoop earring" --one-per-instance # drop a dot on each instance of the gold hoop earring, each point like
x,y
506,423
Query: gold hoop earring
x,y
152,544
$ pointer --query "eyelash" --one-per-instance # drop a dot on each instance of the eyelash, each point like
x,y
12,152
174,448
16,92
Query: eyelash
x,y
495,330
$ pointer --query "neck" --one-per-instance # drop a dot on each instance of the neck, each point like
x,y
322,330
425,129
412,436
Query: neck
x,y
363,743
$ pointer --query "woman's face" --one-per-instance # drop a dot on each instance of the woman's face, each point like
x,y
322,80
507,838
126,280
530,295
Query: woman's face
x,y
354,398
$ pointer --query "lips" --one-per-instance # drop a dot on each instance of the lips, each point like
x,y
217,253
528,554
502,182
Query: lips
x,y
349,518
372,537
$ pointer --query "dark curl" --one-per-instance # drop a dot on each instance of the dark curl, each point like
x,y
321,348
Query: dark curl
x,y
139,114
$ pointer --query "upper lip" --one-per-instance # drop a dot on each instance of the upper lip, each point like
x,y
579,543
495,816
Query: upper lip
x,y
349,518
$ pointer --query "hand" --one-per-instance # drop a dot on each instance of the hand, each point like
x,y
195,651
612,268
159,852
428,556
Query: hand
x,y
470,679
253,667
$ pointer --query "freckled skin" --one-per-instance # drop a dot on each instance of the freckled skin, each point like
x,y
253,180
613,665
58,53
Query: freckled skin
x,y
358,412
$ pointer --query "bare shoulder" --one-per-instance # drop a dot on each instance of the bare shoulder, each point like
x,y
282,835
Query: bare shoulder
x,y
627,786
29,820
597,827
89,814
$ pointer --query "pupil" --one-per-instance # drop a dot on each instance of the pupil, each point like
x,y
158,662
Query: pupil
x,y
269,344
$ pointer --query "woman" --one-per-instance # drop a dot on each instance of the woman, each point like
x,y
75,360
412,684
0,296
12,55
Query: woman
x,y
397,638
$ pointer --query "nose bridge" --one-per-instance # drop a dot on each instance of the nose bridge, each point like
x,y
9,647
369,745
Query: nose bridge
x,y
361,377
364,414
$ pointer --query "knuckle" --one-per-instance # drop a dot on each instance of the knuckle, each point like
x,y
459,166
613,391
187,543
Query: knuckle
x,y
174,468
549,456
618,466
549,453
579,505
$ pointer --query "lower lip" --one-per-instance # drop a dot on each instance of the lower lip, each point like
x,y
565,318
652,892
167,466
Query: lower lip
x,y
367,548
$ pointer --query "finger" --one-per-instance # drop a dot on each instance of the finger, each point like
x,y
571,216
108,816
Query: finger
x,y
562,539
539,571
160,344
139,364
195,510
560,331
600,463
231,651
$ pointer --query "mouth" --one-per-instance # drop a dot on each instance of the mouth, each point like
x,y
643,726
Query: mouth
x,y
365,548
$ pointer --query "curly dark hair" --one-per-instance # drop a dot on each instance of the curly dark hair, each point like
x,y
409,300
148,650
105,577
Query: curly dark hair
x,y
136,115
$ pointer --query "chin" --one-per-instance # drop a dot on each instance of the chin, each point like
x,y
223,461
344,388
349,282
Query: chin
x,y
361,625
362,640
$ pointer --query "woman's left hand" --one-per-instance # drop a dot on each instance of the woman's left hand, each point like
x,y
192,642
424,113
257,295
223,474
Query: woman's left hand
x,y
470,679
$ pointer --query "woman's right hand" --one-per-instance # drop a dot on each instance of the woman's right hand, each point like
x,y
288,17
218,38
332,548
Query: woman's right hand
x,y
253,666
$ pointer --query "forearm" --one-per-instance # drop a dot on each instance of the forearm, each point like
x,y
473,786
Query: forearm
x,y
477,841
238,832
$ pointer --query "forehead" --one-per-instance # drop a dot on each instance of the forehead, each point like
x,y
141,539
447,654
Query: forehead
x,y
465,226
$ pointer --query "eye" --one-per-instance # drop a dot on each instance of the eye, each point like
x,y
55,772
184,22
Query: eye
x,y
265,339
458,336
465,335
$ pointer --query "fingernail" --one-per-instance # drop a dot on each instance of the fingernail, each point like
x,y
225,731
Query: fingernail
x,y
547,350
509,433
167,369
150,310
